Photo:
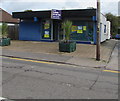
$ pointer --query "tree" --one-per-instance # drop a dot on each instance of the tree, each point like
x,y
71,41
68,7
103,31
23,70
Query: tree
x,y
114,22
27,10
119,21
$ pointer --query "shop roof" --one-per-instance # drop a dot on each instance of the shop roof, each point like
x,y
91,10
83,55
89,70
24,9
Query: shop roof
x,y
47,13
6,17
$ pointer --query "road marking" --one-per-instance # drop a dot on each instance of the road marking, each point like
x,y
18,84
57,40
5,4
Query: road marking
x,y
37,61
112,71
32,61
1,98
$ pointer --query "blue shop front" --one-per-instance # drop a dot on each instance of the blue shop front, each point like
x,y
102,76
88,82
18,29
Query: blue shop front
x,y
39,26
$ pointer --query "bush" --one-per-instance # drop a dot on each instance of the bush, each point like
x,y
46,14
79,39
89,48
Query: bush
x,y
67,29
4,30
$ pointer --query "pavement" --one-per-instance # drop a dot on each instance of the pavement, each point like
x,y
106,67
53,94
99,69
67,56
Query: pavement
x,y
48,51
114,58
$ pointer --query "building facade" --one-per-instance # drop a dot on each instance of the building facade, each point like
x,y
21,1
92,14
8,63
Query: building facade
x,y
12,23
39,26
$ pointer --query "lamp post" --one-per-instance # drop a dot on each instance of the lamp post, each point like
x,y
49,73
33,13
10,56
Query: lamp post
x,y
98,32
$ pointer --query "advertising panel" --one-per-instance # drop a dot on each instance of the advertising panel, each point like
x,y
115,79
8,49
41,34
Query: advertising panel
x,y
55,14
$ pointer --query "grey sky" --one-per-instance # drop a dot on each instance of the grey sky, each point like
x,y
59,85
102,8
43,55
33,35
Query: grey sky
x,y
21,5
119,8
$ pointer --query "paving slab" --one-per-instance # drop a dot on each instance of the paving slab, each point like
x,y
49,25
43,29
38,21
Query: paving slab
x,y
49,51
37,56
87,62
113,63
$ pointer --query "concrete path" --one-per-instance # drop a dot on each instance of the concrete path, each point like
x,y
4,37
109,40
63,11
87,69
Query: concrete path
x,y
86,62
113,64
83,56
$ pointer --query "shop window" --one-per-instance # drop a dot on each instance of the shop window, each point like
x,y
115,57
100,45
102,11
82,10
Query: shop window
x,y
46,29
82,31
104,28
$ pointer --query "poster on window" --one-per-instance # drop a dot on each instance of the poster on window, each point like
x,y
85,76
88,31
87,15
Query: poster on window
x,y
46,30
74,28
84,28
46,25
80,27
46,35
80,31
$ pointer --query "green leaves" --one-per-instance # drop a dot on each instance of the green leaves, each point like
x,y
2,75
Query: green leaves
x,y
27,10
114,22
67,28
4,30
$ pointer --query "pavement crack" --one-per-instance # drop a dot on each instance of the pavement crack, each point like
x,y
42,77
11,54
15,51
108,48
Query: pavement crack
x,y
90,88
94,83
31,70
17,67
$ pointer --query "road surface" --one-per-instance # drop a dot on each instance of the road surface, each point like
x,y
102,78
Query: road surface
x,y
32,79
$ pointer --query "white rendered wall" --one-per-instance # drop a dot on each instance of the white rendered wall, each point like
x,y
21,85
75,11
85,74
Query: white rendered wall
x,y
108,29
103,23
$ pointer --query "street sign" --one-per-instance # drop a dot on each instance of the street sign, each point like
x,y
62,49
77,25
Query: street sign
x,y
55,14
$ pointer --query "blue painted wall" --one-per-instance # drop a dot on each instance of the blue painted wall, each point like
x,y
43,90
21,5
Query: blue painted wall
x,y
95,32
30,31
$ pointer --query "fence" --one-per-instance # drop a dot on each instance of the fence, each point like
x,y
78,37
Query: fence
x,y
13,32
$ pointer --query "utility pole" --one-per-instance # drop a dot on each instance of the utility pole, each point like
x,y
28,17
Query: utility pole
x,y
98,32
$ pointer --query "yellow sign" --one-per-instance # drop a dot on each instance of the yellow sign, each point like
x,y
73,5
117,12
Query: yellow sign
x,y
84,28
74,28
79,31
46,26
46,35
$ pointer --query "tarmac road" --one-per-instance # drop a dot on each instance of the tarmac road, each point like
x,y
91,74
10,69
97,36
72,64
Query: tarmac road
x,y
32,79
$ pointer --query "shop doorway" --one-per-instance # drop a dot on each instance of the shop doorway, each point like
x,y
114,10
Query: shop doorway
x,y
56,30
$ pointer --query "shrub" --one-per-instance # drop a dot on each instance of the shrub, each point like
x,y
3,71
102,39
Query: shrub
x,y
67,29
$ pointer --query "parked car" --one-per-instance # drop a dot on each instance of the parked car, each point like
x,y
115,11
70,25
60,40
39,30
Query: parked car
x,y
117,36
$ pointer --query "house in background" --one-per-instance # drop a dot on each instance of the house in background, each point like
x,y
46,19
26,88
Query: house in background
x,y
108,30
104,28
39,26
11,22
